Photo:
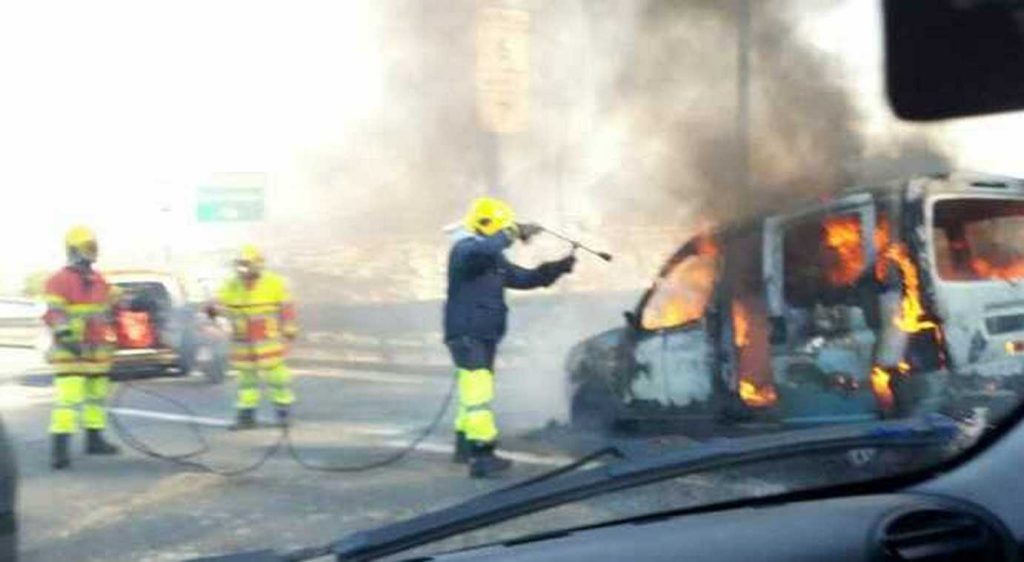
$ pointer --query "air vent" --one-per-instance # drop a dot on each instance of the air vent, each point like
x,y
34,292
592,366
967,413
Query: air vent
x,y
1005,324
935,535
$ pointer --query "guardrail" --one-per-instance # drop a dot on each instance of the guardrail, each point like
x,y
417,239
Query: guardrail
x,y
21,323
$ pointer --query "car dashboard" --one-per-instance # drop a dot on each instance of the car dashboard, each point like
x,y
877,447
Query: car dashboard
x,y
910,526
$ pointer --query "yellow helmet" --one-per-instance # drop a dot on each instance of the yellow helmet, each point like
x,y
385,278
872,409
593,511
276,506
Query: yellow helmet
x,y
249,262
81,245
489,216
251,254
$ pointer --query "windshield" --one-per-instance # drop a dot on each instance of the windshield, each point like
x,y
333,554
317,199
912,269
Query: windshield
x,y
277,272
979,239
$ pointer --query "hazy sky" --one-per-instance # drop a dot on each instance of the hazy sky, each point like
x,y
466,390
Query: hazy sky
x,y
108,104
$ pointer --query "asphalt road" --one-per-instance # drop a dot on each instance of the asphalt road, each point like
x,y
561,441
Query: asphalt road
x,y
135,508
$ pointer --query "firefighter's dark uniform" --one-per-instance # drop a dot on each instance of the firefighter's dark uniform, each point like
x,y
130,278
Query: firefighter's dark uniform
x,y
474,323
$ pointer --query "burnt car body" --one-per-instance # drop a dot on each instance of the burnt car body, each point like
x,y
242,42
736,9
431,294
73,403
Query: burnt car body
x,y
161,332
879,302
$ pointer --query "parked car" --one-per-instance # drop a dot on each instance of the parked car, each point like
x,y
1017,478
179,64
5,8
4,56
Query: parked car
x,y
910,302
8,499
160,332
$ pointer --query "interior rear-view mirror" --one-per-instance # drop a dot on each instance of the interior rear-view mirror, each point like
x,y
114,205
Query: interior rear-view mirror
x,y
951,58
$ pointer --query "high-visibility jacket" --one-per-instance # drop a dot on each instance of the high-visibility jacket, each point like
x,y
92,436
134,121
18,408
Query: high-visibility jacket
x,y
262,315
79,314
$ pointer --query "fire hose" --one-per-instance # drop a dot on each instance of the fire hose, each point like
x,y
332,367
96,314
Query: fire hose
x,y
283,440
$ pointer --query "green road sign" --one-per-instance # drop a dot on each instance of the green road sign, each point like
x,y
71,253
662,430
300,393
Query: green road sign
x,y
229,204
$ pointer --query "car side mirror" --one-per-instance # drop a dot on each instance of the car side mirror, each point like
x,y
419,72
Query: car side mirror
x,y
631,319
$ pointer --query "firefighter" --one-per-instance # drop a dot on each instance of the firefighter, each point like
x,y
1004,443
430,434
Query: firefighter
x,y
79,315
262,314
475,317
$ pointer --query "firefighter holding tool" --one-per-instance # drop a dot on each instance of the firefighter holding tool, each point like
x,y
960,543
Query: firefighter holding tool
x,y
262,314
475,318
79,315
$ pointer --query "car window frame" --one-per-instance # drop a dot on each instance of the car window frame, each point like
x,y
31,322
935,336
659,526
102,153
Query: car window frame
x,y
688,250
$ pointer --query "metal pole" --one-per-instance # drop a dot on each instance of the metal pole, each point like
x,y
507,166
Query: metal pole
x,y
743,94
494,179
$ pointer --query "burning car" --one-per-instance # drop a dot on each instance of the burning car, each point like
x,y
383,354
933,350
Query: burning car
x,y
880,302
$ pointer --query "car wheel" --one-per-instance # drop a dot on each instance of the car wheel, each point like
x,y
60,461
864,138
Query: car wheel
x,y
593,408
216,369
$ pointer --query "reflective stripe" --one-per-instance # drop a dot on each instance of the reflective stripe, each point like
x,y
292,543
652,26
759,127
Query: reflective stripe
x,y
69,392
253,309
481,427
88,308
279,380
54,300
476,391
476,387
94,411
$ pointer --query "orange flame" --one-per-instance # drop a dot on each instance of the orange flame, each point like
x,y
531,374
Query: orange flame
x,y
706,245
880,379
752,395
682,295
911,315
757,397
988,270
741,325
842,235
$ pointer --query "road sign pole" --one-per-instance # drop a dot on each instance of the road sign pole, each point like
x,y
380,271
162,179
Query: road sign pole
x,y
502,80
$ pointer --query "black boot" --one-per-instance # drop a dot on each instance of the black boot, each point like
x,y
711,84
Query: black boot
x,y
59,455
461,455
483,463
95,444
246,419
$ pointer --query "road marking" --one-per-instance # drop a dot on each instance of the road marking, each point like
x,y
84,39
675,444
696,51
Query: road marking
x,y
518,456
13,396
346,428
362,429
365,376
198,420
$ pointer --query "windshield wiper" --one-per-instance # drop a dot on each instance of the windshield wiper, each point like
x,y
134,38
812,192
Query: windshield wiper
x,y
564,486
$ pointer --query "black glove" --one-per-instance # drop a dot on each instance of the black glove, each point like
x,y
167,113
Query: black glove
x,y
565,264
528,230
64,340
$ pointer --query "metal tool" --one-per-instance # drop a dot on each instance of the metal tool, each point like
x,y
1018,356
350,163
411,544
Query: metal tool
x,y
576,244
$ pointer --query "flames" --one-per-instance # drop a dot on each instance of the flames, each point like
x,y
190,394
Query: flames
x,y
880,379
752,394
682,295
911,317
842,235
985,269
757,397
706,246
